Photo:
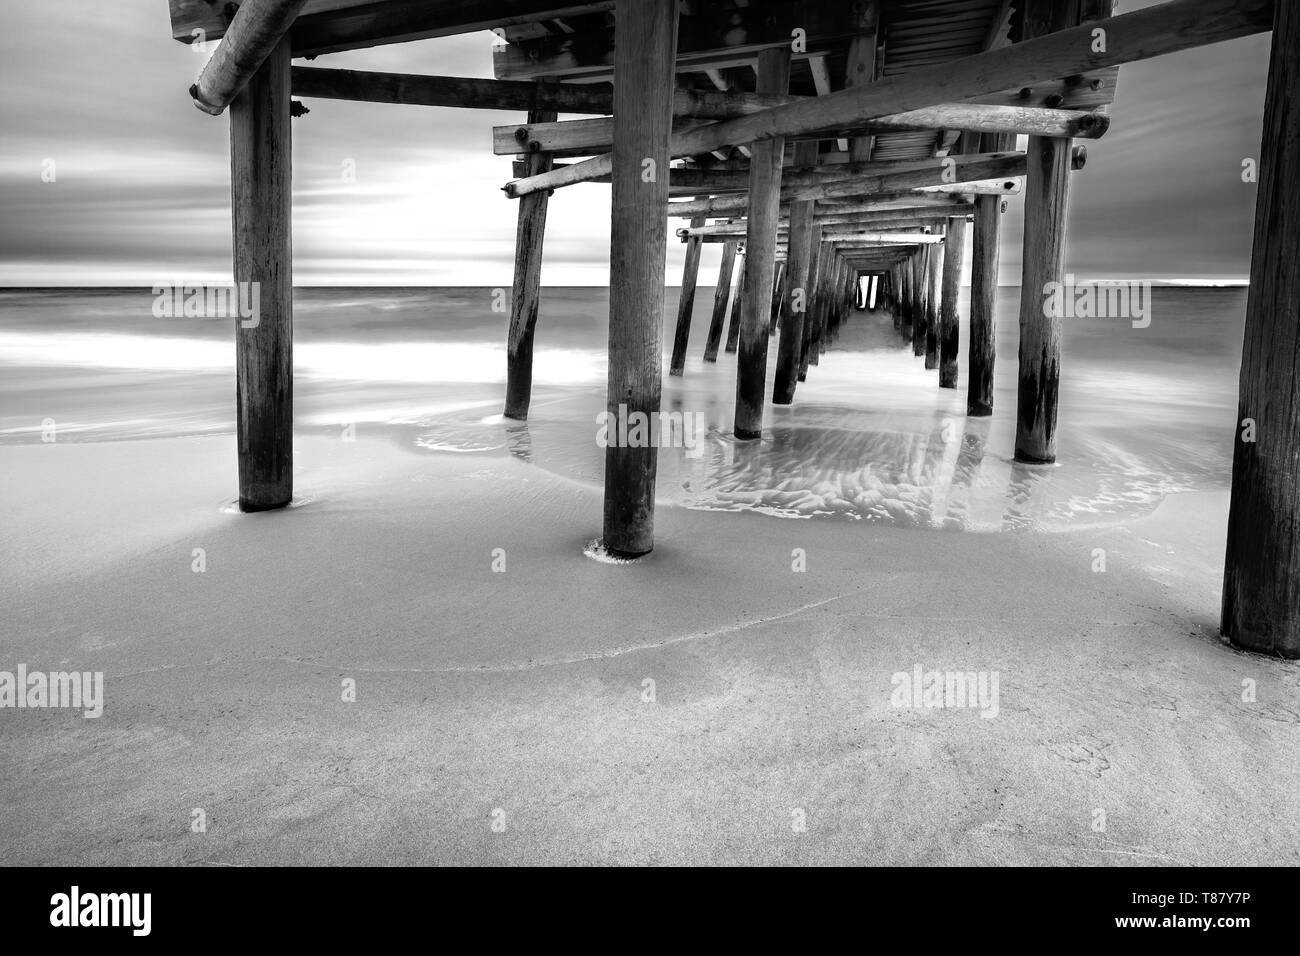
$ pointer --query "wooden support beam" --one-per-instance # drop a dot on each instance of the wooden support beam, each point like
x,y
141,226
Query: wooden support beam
x,y
905,203
790,346
572,135
989,187
721,298
834,234
905,297
737,303
860,69
982,350
328,26
949,322
760,244
1261,579
862,189
920,273
414,89
711,36
842,226
643,88
1143,34
737,306
685,303
530,231
778,279
934,287
256,30
1046,204
1020,120
827,304
818,261
261,200
891,297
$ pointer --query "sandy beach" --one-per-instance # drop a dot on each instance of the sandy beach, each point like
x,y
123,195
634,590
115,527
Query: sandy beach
x,y
506,717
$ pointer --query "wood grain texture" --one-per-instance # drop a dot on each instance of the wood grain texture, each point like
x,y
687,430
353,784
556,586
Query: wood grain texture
x,y
1046,204
933,289
585,136
721,299
711,35
643,86
254,32
985,256
760,246
737,303
950,296
1155,31
530,233
795,302
1261,581
778,281
816,263
920,286
685,303
261,182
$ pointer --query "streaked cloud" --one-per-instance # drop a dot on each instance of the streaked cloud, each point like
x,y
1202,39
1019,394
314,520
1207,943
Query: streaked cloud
x,y
142,187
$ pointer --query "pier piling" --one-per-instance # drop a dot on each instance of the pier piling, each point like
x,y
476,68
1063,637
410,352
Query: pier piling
x,y
949,321
261,200
644,58
721,299
530,232
1046,198
686,301
760,242
933,289
1261,580
985,254
737,305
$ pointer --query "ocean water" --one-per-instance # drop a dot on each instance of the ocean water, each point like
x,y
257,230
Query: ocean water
x,y
1145,412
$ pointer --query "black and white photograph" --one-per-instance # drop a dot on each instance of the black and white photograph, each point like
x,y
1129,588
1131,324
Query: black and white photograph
x,y
651,433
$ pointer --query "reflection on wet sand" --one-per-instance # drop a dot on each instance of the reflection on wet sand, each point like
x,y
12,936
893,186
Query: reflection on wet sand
x,y
832,462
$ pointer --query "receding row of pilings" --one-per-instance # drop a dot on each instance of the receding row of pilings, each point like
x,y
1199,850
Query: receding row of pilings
x,y
1261,600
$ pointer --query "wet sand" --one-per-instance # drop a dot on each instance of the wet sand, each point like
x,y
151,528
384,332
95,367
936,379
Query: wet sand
x,y
504,717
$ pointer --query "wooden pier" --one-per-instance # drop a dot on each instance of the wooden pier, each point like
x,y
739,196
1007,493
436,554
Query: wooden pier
x,y
821,143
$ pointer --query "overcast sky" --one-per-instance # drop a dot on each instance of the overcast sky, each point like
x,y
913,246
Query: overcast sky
x,y
141,178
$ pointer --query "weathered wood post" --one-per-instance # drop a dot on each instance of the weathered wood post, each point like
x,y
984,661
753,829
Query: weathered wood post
x,y
261,200
949,323
920,277
526,293
843,300
1047,194
825,276
933,287
737,301
904,301
721,299
816,262
984,290
644,68
686,301
909,293
760,243
778,292
1047,183
905,297
1261,579
795,300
